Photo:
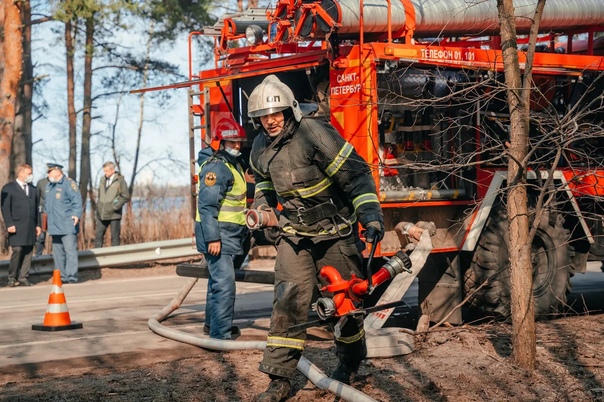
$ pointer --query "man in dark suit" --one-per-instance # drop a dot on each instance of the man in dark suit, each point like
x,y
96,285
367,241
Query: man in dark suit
x,y
20,213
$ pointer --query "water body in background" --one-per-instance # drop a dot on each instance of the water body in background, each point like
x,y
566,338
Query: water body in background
x,y
157,204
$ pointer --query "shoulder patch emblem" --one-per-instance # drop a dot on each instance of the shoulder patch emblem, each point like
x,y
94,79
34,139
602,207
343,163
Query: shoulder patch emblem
x,y
74,186
210,179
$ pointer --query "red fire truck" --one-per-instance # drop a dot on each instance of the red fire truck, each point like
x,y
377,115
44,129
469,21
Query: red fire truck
x,y
418,89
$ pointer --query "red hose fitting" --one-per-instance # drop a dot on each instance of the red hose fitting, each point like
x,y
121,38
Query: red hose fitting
x,y
346,292
340,303
333,277
361,289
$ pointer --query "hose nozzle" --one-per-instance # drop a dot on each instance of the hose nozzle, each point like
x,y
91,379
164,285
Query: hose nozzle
x,y
398,263
261,218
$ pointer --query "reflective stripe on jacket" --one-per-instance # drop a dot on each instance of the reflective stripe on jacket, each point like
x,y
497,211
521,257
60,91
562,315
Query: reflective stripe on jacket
x,y
233,205
308,165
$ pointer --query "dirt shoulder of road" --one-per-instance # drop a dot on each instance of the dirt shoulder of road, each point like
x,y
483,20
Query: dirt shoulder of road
x,y
466,363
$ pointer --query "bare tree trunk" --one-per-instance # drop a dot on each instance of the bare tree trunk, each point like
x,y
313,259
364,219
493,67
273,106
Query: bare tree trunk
x,y
70,33
116,156
11,63
22,140
141,118
86,120
524,345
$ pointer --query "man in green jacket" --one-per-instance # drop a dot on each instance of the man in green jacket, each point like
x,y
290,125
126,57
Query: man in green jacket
x,y
113,194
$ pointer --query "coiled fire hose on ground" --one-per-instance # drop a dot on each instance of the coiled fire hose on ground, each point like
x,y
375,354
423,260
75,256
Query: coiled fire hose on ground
x,y
353,288
312,372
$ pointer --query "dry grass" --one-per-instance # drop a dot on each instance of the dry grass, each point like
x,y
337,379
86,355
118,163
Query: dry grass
x,y
148,223
145,225
154,213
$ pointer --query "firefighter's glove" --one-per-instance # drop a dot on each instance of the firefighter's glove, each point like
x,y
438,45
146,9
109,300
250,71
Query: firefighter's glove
x,y
374,230
266,237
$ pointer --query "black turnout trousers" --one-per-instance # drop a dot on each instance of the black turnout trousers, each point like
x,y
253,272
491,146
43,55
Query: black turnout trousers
x,y
296,274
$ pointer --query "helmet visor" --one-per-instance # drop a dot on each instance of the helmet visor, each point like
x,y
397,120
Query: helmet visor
x,y
267,111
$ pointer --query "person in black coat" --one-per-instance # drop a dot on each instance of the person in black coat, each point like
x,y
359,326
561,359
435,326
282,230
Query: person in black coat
x,y
20,213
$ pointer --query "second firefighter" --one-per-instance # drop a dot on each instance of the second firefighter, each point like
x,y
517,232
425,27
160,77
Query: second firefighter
x,y
220,230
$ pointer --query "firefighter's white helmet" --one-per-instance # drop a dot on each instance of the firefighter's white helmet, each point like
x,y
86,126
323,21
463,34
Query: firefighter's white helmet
x,y
272,96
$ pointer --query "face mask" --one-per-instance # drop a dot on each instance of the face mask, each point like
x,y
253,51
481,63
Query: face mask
x,y
29,178
233,152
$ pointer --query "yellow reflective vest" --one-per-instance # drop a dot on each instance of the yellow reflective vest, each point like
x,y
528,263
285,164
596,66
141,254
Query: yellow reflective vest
x,y
233,204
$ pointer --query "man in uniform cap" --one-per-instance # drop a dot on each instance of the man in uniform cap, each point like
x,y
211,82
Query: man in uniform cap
x,y
63,204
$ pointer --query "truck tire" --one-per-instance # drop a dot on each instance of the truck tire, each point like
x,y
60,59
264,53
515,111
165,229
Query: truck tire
x,y
551,259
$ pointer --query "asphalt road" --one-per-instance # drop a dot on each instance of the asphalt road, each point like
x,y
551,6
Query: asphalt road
x,y
114,314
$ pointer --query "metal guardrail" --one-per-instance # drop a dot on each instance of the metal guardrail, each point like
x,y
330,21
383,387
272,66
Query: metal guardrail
x,y
116,256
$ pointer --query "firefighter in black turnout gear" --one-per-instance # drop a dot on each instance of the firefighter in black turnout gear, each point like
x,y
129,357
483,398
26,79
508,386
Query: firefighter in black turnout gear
x,y
325,189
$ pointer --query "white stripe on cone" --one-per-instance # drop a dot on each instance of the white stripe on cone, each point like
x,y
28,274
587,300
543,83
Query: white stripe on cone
x,y
57,308
56,289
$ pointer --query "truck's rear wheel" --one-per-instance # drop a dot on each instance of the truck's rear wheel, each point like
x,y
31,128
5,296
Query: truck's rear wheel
x,y
550,254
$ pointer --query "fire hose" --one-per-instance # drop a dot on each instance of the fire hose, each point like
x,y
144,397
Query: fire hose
x,y
346,293
312,372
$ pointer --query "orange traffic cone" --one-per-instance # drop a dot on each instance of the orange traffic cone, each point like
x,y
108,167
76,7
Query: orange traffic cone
x,y
57,316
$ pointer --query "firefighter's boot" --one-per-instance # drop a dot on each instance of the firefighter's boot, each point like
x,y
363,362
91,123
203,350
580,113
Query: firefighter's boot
x,y
277,391
343,373
350,355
